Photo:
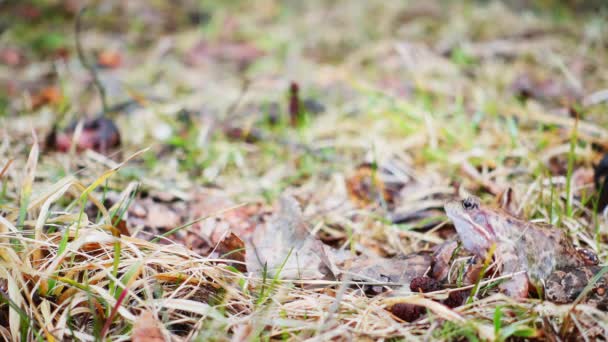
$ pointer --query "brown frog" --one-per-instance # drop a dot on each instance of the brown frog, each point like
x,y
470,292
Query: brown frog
x,y
537,249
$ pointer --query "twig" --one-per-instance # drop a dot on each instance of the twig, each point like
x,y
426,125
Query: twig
x,y
234,105
81,57
5,168
295,112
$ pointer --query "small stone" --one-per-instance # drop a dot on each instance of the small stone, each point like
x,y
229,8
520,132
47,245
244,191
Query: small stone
x,y
424,284
456,298
407,312
600,291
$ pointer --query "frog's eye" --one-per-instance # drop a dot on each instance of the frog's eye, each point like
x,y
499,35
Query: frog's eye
x,y
470,203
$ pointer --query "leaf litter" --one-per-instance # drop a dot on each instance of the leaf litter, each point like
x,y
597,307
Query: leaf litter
x,y
285,249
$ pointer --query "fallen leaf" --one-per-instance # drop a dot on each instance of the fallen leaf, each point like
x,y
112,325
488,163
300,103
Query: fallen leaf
x,y
544,89
399,271
121,227
249,135
233,248
99,134
28,11
109,59
147,329
156,216
284,247
558,165
61,53
11,57
241,53
366,187
48,95
441,259
240,220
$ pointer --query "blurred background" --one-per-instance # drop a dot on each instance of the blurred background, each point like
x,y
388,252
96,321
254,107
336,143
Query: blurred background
x,y
202,81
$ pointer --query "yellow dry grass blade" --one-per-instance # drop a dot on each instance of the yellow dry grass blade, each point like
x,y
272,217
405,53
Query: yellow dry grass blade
x,y
109,173
37,253
27,183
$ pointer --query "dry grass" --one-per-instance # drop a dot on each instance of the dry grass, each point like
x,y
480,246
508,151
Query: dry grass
x,y
422,92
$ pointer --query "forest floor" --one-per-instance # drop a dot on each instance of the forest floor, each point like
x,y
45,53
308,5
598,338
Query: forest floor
x,y
371,115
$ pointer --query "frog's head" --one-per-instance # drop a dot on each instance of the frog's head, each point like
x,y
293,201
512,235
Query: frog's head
x,y
473,224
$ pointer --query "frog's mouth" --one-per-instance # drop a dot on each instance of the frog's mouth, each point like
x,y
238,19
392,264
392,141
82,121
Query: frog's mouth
x,y
463,221
487,233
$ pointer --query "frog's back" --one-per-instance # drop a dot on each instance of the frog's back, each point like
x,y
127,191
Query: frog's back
x,y
547,248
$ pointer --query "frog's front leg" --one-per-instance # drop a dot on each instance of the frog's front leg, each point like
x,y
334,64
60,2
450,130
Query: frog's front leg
x,y
517,285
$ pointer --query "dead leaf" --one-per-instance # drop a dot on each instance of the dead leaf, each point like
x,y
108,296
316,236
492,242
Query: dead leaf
x,y
366,187
48,95
241,53
121,227
249,135
558,165
233,248
28,11
147,329
241,220
155,216
400,271
109,59
11,57
544,89
285,248
61,53
441,259
99,134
